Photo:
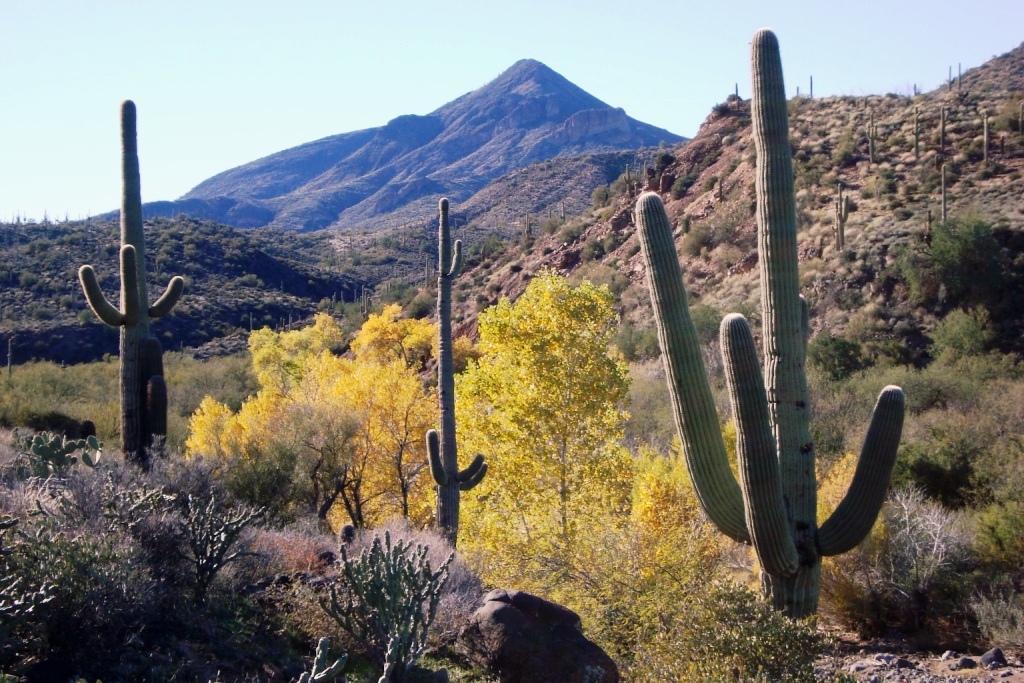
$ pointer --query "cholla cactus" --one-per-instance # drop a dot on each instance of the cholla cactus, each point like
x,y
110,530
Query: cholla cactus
x,y
211,533
142,387
388,602
774,507
323,670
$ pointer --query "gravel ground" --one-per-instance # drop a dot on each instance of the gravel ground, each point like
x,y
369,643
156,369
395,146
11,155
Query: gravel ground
x,y
952,667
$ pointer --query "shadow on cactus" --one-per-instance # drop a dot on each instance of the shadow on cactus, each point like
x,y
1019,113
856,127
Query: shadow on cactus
x,y
773,507
142,387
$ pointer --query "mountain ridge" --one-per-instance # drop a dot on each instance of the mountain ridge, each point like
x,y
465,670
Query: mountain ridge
x,y
528,113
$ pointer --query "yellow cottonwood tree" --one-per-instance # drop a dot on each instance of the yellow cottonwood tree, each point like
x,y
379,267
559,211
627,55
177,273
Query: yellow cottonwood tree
x,y
388,336
339,437
543,403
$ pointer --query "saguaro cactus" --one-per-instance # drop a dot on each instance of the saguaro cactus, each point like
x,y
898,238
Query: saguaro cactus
x,y
842,208
142,388
444,458
774,505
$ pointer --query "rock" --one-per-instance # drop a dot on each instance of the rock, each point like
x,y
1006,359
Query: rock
x,y
947,655
965,663
525,639
862,665
993,659
903,663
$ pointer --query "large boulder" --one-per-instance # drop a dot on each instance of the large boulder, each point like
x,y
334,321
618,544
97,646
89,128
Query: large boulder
x,y
522,638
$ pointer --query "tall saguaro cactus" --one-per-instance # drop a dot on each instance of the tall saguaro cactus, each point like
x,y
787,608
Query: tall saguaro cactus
x,y
142,388
444,458
774,505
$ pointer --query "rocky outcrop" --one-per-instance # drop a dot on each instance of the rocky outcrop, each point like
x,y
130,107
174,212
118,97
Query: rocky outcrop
x,y
604,124
522,638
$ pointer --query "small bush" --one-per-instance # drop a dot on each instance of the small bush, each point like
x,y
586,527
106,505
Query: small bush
x,y
835,356
1000,616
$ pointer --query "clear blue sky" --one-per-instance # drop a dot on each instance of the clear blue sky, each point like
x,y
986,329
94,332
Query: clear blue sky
x,y
218,84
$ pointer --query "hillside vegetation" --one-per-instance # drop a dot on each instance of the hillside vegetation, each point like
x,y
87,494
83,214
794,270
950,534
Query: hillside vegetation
x,y
291,448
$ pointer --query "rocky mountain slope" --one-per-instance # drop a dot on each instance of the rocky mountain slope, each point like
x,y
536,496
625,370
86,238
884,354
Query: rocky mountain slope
x,y
391,174
234,280
882,287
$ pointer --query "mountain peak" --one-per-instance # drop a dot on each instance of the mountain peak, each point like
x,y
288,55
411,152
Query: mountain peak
x,y
528,113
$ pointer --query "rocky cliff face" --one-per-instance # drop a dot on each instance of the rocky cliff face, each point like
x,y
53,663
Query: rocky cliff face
x,y
529,113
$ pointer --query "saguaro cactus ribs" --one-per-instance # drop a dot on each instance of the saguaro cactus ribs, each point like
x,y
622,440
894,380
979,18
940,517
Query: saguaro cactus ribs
x,y
142,388
774,506
444,459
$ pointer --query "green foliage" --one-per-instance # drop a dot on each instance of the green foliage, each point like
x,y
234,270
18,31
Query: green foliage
x,y
843,153
963,333
682,184
728,629
599,197
388,601
211,533
836,356
18,601
961,267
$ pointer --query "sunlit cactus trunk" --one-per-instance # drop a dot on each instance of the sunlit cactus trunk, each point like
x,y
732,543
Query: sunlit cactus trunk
x,y
774,507
142,389
442,451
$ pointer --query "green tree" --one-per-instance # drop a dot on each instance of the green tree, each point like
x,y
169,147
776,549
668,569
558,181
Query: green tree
x,y
543,404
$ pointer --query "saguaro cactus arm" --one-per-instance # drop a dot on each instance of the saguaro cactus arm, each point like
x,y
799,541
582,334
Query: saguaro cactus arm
x,y
692,402
472,475
466,479
170,297
850,523
103,309
434,458
765,508
456,260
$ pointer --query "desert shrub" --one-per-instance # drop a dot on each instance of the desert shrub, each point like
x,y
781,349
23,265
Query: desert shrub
x,y
908,573
101,591
962,333
571,231
962,266
1000,615
698,240
682,184
843,152
835,356
18,602
729,633
599,197
636,343
592,249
